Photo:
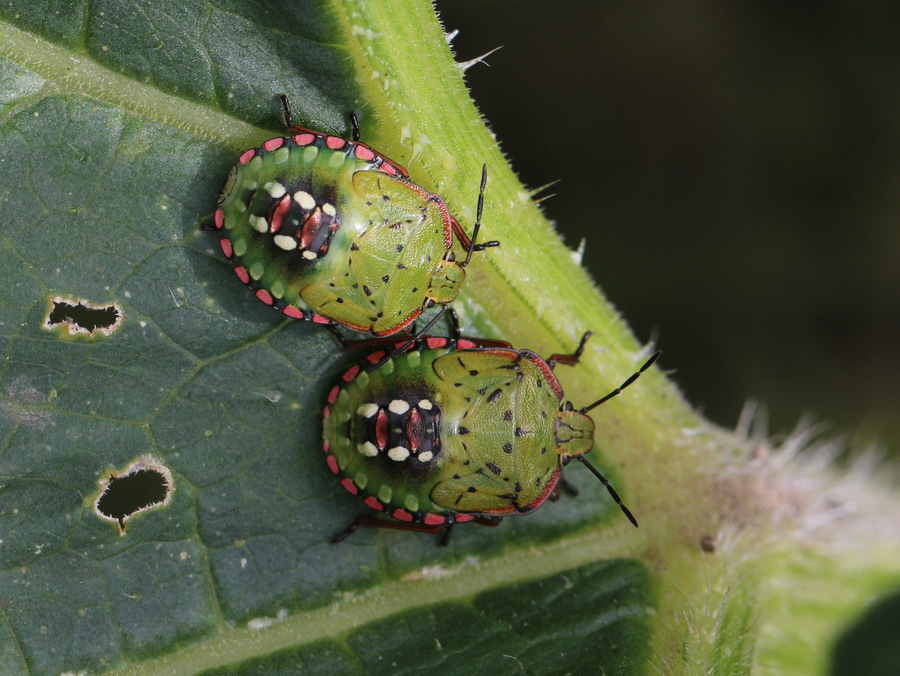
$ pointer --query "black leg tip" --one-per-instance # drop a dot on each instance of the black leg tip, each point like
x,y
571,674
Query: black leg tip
x,y
340,537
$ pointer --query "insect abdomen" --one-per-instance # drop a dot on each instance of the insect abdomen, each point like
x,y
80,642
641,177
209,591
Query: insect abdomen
x,y
282,209
382,434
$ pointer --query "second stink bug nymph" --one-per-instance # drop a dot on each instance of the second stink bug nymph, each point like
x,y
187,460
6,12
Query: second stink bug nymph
x,y
453,430
329,230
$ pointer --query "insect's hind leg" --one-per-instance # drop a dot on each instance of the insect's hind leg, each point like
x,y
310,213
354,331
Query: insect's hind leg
x,y
375,522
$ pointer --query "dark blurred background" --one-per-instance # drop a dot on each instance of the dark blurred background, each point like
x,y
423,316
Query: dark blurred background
x,y
735,169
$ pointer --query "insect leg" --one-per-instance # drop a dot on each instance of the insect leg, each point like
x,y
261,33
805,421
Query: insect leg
x,y
453,320
342,341
286,106
374,522
409,342
569,359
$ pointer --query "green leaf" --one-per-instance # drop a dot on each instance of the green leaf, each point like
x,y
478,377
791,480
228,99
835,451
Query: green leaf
x,y
113,145
118,125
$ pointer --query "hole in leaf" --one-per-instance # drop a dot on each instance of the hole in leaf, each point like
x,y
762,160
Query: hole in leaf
x,y
143,485
81,317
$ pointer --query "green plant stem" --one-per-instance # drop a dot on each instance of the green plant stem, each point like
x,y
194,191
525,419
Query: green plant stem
x,y
536,295
684,478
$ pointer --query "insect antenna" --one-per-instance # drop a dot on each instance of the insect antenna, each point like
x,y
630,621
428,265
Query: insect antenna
x,y
612,491
631,379
472,245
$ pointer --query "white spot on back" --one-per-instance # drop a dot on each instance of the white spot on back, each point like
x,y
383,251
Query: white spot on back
x,y
425,405
367,410
285,242
426,456
398,453
259,223
309,255
329,209
368,449
275,189
305,200
398,406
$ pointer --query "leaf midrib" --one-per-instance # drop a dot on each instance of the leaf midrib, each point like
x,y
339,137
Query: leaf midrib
x,y
429,585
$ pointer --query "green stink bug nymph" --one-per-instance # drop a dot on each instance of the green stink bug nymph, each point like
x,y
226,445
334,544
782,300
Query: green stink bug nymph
x,y
329,230
454,430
